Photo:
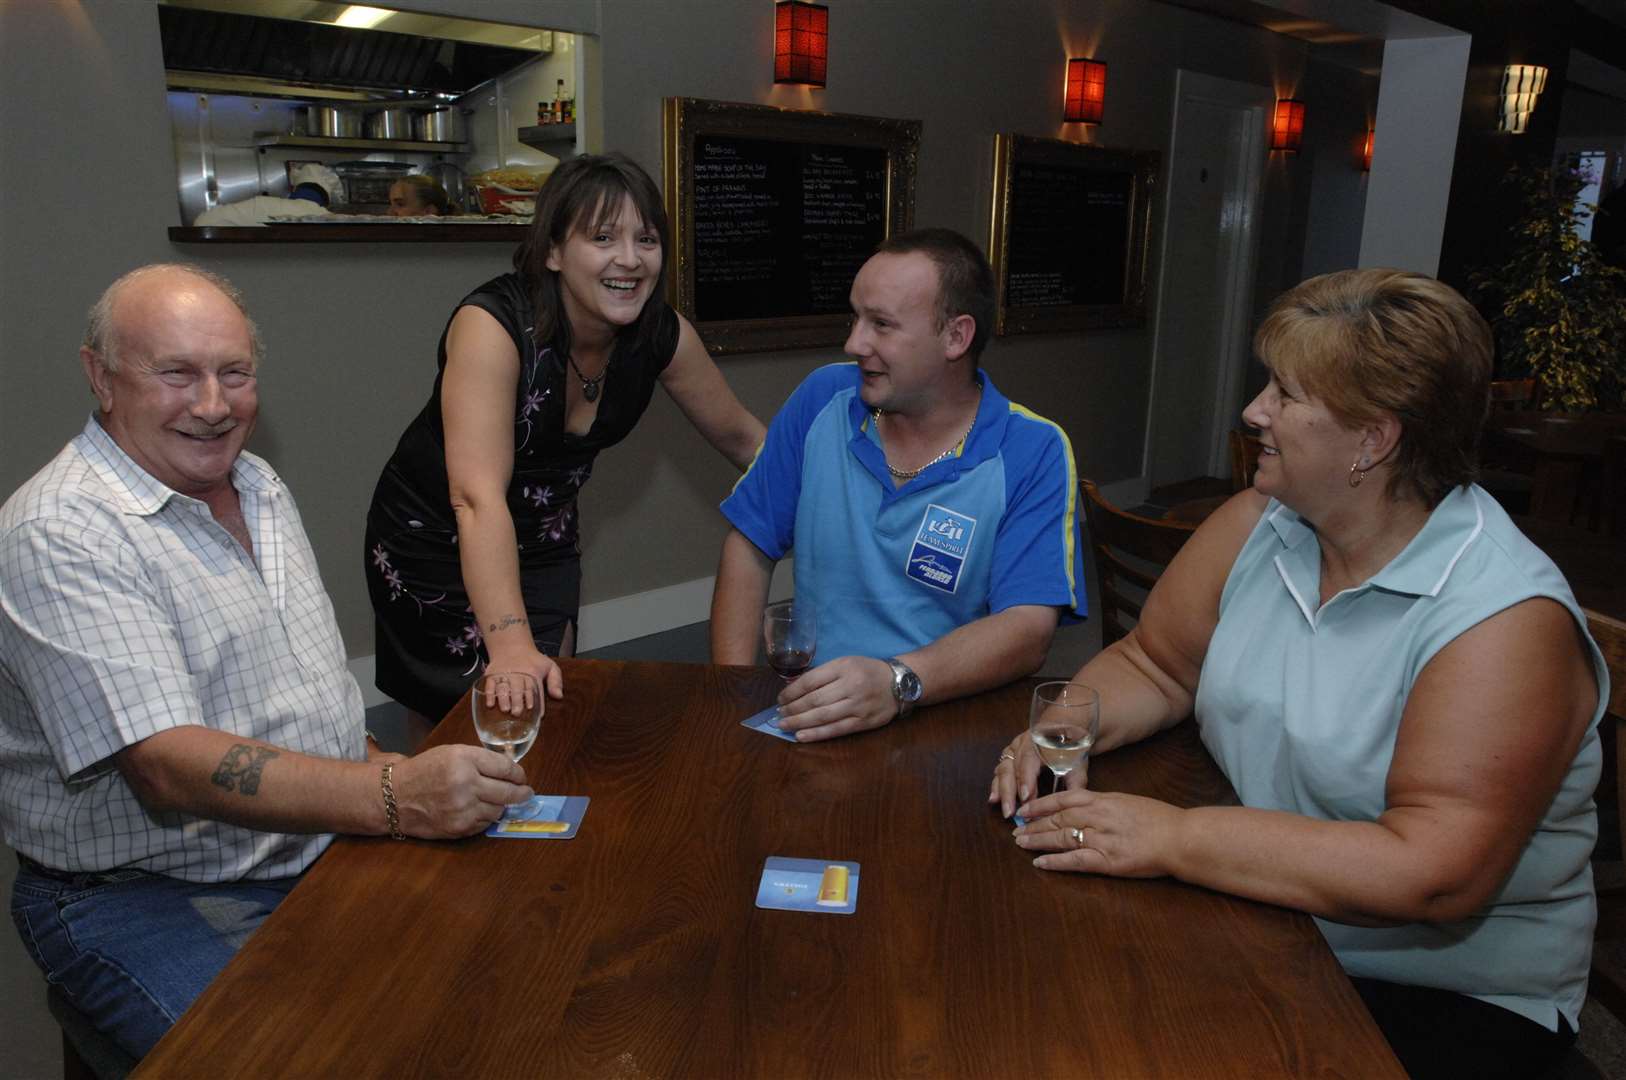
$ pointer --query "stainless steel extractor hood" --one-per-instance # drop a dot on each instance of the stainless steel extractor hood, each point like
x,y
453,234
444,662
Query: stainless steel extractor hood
x,y
297,46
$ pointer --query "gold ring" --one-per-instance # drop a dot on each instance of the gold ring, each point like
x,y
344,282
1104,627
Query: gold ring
x,y
1077,836
1007,756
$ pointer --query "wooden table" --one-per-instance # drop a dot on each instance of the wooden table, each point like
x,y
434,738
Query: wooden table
x,y
1557,448
635,950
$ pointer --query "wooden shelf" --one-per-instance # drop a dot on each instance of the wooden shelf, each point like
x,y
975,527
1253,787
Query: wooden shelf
x,y
540,136
375,233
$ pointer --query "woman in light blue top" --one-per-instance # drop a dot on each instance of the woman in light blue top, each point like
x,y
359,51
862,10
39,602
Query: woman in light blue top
x,y
1397,683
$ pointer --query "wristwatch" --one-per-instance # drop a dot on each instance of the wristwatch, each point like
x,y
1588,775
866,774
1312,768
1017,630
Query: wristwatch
x,y
906,686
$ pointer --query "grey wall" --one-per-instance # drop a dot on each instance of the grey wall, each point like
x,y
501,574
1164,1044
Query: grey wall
x,y
87,184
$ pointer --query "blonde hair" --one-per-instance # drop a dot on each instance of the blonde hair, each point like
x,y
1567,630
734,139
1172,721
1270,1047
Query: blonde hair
x,y
1371,343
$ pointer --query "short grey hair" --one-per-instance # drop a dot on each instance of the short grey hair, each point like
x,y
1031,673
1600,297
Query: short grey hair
x,y
100,331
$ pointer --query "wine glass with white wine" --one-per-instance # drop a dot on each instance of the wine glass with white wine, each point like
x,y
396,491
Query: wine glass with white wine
x,y
507,707
1063,722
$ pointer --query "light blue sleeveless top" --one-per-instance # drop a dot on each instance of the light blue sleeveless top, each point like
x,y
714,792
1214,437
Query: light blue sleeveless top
x,y
1300,707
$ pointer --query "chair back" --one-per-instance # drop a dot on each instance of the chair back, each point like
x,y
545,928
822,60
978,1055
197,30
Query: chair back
x,y
1130,553
1244,459
1510,395
1612,488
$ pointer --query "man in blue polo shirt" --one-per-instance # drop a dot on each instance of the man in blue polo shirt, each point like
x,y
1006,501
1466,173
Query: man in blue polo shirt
x,y
934,521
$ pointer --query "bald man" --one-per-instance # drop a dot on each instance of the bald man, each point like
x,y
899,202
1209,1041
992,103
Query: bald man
x,y
179,735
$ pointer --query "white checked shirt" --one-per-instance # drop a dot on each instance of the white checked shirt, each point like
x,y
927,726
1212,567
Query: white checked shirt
x,y
125,610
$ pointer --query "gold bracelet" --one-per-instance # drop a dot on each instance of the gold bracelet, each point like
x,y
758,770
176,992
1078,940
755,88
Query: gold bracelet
x,y
391,811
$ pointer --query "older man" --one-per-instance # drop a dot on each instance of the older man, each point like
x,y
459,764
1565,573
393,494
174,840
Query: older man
x,y
934,521
178,732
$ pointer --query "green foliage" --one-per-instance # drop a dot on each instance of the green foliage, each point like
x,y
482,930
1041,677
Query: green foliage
x,y
1557,308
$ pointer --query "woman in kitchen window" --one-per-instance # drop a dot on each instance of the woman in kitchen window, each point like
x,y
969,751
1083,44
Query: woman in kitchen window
x,y
473,554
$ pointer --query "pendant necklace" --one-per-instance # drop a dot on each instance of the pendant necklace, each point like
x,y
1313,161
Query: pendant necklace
x,y
590,387
910,474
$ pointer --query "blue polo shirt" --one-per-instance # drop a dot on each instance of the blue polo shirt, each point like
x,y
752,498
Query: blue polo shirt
x,y
891,569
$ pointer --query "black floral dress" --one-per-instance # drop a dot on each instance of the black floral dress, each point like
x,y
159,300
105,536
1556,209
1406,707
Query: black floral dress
x,y
428,642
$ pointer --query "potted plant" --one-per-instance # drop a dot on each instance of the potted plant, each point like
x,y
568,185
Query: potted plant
x,y
1557,307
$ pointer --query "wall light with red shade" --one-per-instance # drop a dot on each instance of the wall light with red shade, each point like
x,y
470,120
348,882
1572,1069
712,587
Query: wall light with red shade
x,y
1086,93
801,42
1366,152
1287,128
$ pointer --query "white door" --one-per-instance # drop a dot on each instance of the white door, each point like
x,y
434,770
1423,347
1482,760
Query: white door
x,y
1205,288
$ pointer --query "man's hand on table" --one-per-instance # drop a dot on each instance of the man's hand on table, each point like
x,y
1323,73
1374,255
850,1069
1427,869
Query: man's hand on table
x,y
452,791
841,697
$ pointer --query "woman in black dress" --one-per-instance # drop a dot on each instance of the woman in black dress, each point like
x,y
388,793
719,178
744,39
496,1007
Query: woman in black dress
x,y
473,554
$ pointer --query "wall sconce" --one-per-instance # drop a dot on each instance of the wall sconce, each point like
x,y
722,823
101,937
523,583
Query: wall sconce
x,y
801,41
1086,93
1366,152
1522,84
1287,128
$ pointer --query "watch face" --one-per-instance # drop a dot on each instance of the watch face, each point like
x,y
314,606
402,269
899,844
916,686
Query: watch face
x,y
908,686
911,687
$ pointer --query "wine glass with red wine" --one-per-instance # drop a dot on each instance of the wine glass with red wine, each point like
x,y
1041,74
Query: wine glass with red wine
x,y
790,632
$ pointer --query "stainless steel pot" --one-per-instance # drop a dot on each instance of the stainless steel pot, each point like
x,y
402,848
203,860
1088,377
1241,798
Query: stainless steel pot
x,y
391,123
332,122
440,125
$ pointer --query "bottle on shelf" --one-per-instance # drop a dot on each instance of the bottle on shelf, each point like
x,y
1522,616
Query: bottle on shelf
x,y
559,103
544,112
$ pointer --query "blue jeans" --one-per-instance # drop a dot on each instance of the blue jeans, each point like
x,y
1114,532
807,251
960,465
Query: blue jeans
x,y
132,949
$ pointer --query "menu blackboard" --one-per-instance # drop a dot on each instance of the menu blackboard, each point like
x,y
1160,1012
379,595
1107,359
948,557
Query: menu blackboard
x,y
774,211
1069,235
781,228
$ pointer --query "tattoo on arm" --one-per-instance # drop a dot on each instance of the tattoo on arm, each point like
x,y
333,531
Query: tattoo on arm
x,y
505,622
240,769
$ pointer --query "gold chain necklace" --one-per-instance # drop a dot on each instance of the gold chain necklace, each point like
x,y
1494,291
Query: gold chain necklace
x,y
910,474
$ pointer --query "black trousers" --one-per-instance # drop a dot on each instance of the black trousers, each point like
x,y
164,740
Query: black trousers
x,y
1436,1033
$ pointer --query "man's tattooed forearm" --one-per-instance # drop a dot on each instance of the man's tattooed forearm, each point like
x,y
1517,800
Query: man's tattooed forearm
x,y
505,622
240,769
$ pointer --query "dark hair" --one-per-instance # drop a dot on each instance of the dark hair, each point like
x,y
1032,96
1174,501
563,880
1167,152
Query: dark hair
x,y
1366,343
965,281
428,192
577,196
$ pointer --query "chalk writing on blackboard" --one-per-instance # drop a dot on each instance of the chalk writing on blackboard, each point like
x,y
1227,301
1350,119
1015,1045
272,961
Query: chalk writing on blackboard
x,y
781,228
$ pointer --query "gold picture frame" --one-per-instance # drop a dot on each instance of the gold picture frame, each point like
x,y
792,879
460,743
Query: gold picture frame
x,y
746,271
1056,205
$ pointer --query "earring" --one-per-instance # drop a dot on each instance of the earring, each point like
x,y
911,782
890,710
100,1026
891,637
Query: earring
x,y
1357,474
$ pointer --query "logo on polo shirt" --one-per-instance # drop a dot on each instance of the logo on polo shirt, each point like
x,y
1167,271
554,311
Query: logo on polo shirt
x,y
940,549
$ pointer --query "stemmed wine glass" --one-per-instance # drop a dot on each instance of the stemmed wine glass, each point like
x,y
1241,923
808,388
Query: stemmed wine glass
x,y
1063,722
790,635
507,707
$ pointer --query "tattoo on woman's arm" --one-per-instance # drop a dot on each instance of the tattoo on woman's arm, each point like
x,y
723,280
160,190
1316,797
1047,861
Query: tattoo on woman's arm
x,y
240,769
505,622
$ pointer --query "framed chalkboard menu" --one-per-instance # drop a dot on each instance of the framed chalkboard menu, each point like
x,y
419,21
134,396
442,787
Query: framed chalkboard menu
x,y
1070,232
773,211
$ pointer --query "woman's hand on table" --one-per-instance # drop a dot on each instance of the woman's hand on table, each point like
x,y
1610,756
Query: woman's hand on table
x,y
1100,833
528,660
1016,775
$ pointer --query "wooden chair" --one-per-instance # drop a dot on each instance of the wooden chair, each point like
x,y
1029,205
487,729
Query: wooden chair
x,y
1244,459
1512,395
1608,982
1130,553
1611,502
